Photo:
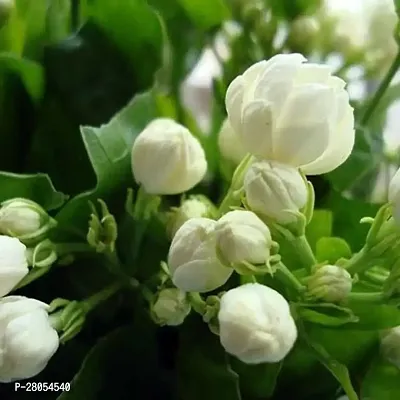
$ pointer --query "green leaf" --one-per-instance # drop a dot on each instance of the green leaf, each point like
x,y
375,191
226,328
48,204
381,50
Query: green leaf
x,y
378,120
375,317
363,161
135,29
206,14
290,9
257,381
59,20
30,72
382,381
109,151
125,361
347,214
32,24
319,226
331,249
348,344
88,80
338,370
201,359
37,187
326,314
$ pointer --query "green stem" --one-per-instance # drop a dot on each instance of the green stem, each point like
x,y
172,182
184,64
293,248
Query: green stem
x,y
232,198
93,301
229,201
147,294
372,105
376,277
303,250
63,249
142,213
370,298
286,276
114,265
34,273
359,263
196,301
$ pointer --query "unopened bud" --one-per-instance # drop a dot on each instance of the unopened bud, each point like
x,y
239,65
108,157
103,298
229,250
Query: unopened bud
x,y
67,318
330,283
167,159
171,307
43,255
275,191
103,231
25,220
193,207
390,345
243,239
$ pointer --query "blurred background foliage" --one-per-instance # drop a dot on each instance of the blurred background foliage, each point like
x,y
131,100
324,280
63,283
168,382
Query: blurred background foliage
x,y
112,65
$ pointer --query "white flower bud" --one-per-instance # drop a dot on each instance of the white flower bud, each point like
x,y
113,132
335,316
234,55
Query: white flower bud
x,y
273,189
194,207
192,257
13,263
390,345
255,324
23,218
167,158
294,113
330,283
27,339
229,143
242,236
171,307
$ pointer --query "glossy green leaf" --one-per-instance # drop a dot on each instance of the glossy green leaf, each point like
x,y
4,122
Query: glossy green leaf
x,y
100,85
59,20
32,24
119,364
201,358
331,249
135,29
30,72
290,9
256,381
375,317
326,314
37,187
109,150
382,381
303,374
338,370
364,159
88,80
206,14
348,344
319,226
347,214
182,54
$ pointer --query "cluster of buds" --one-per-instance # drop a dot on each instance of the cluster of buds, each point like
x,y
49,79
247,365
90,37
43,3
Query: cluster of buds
x,y
24,227
275,138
